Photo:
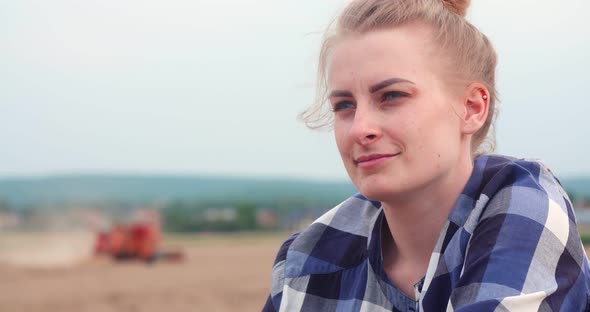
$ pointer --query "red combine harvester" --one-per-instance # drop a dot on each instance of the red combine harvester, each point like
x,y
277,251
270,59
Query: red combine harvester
x,y
136,241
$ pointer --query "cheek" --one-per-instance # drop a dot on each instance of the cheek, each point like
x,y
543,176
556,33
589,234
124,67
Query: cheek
x,y
341,138
444,140
434,134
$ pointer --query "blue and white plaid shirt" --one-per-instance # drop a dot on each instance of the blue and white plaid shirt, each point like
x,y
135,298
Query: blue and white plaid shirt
x,y
510,244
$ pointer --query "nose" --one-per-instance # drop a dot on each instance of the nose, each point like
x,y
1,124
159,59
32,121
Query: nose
x,y
365,128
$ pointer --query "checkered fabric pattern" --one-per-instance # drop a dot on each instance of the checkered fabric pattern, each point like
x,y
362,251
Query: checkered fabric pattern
x,y
510,244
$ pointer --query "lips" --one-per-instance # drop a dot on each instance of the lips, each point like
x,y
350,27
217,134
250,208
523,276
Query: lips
x,y
372,160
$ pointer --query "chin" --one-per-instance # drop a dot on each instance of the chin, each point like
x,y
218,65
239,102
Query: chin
x,y
379,189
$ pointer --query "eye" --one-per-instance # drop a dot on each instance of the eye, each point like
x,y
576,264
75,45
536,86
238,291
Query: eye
x,y
342,105
392,96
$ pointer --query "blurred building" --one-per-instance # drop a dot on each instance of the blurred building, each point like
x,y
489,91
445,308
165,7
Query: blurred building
x,y
221,215
9,220
267,219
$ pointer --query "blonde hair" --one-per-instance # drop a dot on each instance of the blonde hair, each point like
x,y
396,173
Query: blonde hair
x,y
470,51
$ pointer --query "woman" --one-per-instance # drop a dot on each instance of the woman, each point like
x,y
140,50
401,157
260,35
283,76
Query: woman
x,y
437,225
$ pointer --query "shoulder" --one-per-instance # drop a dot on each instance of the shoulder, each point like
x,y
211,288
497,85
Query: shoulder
x,y
524,200
336,240
523,187
525,242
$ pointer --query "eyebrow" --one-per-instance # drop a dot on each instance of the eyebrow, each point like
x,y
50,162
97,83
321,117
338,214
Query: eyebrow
x,y
372,89
387,83
340,93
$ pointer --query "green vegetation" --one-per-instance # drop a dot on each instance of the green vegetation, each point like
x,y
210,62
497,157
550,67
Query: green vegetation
x,y
577,188
246,216
190,203
195,217
187,204
120,191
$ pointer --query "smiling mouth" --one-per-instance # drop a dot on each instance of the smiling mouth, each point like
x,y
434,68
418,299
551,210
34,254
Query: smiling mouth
x,y
372,160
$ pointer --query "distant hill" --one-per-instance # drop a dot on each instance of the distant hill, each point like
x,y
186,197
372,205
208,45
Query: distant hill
x,y
55,190
19,192
578,187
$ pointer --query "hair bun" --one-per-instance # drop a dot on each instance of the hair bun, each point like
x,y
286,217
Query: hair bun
x,y
458,7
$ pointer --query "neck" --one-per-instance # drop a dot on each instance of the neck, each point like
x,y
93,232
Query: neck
x,y
415,222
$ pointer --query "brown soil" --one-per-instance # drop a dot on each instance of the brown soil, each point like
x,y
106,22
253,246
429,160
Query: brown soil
x,y
219,273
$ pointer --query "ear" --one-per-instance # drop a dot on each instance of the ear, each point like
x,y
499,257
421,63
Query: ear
x,y
476,102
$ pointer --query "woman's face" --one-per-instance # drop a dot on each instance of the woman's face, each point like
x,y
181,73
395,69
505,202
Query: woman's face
x,y
394,122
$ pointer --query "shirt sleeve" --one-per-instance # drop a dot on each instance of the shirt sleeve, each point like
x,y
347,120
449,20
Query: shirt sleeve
x,y
524,255
273,301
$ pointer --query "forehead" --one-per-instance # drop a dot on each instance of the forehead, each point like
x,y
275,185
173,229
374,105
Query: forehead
x,y
402,52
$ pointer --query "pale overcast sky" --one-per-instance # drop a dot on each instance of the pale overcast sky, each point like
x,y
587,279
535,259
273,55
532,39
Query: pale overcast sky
x,y
214,87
